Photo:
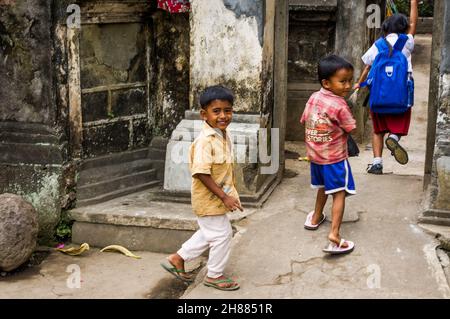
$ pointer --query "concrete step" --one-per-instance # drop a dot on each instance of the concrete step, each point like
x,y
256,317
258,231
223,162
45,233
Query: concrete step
x,y
115,184
99,174
434,220
116,194
138,223
114,158
436,213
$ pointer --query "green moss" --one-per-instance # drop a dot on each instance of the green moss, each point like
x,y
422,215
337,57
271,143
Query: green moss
x,y
45,198
63,230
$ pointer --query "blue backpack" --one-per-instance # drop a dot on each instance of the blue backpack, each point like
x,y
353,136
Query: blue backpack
x,y
388,78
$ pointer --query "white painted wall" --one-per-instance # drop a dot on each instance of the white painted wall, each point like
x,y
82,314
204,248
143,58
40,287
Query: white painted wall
x,y
225,50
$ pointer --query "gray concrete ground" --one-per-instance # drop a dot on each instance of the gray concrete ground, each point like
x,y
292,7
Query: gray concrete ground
x,y
102,275
274,256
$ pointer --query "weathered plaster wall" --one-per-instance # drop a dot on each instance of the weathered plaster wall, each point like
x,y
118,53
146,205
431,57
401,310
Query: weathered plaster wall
x,y
171,63
268,58
350,26
26,62
227,49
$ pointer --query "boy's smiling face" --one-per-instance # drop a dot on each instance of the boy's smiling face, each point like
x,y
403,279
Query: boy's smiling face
x,y
218,114
340,83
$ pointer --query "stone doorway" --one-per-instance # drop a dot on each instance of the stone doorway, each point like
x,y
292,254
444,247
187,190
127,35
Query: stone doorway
x,y
311,36
110,105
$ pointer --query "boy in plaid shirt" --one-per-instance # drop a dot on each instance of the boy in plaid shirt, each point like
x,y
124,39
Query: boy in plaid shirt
x,y
328,122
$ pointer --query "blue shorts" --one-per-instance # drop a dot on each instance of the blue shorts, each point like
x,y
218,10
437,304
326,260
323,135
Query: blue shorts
x,y
333,177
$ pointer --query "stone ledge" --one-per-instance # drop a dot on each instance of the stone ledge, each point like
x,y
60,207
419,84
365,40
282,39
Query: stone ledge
x,y
138,223
313,5
132,237
139,210
250,200
237,118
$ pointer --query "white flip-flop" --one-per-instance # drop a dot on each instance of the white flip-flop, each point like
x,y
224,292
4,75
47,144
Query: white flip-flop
x,y
310,226
336,249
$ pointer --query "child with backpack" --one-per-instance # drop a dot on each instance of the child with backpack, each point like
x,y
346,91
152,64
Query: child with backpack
x,y
389,76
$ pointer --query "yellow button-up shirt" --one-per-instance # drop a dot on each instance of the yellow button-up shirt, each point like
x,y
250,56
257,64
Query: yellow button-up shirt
x,y
211,154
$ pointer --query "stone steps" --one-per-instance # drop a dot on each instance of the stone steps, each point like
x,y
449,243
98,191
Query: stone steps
x,y
97,174
435,216
114,175
115,158
115,194
115,184
137,223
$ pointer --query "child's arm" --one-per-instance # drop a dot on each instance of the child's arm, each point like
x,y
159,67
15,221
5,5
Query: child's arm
x,y
413,16
230,202
363,77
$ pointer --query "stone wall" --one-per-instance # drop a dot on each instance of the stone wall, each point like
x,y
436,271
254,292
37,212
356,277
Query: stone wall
x,y
171,52
26,62
437,162
441,171
32,141
111,85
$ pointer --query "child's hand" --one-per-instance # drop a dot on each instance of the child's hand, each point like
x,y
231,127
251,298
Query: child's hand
x,y
232,203
356,86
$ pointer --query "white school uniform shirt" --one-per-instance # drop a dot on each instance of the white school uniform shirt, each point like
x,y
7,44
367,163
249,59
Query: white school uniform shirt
x,y
370,55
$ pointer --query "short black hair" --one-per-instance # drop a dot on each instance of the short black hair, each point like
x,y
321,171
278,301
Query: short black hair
x,y
397,23
215,92
330,64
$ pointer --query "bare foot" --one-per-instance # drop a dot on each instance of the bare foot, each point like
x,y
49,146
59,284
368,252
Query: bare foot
x,y
337,240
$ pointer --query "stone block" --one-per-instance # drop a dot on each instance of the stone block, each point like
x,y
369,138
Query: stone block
x,y
177,176
443,179
18,231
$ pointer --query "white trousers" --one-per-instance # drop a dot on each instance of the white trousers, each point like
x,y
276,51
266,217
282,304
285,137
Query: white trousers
x,y
214,233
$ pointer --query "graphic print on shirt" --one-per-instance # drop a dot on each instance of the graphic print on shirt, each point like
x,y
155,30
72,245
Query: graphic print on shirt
x,y
319,128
